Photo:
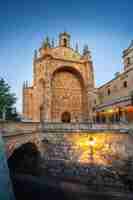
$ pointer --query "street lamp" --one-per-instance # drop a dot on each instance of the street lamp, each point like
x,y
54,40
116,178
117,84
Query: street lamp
x,y
91,144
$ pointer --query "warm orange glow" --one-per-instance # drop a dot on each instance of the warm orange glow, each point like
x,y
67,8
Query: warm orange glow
x,y
110,111
91,141
130,108
106,147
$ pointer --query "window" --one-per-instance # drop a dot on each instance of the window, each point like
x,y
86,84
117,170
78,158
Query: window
x,y
65,42
125,84
128,61
109,92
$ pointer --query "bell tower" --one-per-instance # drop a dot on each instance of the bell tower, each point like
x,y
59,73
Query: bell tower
x,y
64,40
128,57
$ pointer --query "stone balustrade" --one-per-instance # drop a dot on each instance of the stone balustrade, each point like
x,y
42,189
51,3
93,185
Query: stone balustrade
x,y
65,127
81,127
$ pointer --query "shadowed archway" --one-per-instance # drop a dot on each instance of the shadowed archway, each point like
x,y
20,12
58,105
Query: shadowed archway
x,y
66,117
25,159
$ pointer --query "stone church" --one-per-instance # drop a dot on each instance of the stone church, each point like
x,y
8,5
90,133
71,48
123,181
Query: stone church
x,y
63,84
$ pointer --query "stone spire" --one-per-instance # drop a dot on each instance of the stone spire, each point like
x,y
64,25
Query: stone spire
x,y
24,85
85,49
35,55
53,43
86,52
46,43
131,44
76,47
64,39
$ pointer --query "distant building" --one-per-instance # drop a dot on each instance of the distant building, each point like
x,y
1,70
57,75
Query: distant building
x,y
114,100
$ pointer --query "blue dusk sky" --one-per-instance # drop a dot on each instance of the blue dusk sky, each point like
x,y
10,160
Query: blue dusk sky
x,y
106,26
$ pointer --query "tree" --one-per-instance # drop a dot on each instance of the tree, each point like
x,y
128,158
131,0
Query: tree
x,y
7,101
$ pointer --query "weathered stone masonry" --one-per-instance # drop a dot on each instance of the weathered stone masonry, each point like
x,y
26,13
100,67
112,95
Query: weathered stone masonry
x,y
63,84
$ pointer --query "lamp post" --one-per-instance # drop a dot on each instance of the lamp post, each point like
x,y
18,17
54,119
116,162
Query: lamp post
x,y
91,145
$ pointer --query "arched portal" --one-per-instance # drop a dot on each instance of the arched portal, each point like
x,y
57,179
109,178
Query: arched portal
x,y
67,89
66,117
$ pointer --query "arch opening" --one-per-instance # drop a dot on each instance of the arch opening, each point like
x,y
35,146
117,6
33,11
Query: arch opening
x,y
66,117
65,42
68,93
24,158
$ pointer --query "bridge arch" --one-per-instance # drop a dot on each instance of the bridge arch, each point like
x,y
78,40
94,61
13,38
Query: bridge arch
x,y
24,158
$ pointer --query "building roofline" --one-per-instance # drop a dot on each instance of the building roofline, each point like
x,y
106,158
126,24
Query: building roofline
x,y
108,82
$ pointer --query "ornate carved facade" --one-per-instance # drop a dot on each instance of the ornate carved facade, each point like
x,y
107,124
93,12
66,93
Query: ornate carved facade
x,y
63,84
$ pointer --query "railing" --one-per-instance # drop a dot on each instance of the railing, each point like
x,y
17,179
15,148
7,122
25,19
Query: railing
x,y
81,126
58,126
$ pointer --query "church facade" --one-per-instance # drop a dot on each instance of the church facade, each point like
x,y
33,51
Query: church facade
x,y
63,87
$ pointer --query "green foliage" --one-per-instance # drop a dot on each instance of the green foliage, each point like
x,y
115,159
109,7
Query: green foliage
x,y
7,100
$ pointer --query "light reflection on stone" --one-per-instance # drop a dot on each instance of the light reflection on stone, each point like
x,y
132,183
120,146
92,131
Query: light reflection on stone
x,y
107,147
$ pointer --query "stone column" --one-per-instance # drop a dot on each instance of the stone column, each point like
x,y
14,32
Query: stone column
x,y
47,96
90,99
107,119
124,116
115,117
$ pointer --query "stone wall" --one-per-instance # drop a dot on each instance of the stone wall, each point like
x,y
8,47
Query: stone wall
x,y
68,156
70,145
17,133
76,147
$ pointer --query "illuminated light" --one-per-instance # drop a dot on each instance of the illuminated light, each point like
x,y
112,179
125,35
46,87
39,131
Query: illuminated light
x,y
130,108
103,146
110,111
91,141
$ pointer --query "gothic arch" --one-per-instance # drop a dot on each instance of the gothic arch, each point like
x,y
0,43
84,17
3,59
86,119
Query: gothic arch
x,y
69,69
68,94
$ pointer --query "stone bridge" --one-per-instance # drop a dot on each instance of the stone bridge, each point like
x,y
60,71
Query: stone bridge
x,y
17,133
